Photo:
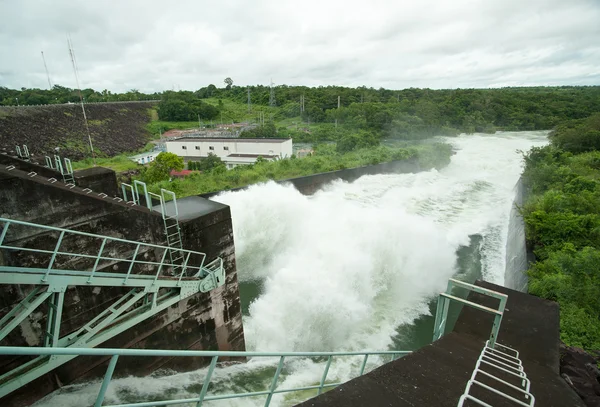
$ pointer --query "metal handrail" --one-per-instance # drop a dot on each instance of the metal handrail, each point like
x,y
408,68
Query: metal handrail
x,y
441,316
214,355
187,270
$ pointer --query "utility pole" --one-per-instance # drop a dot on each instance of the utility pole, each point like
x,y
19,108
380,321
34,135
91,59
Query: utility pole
x,y
336,120
272,102
249,103
46,68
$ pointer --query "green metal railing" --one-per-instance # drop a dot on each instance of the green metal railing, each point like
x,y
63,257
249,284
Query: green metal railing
x,y
214,355
444,299
96,260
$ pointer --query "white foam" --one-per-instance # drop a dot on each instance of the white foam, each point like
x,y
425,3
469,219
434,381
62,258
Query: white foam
x,y
342,269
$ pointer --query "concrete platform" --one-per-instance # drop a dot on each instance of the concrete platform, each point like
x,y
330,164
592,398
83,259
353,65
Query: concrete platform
x,y
192,207
436,375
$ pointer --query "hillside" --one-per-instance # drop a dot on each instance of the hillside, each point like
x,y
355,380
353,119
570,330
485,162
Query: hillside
x,y
115,128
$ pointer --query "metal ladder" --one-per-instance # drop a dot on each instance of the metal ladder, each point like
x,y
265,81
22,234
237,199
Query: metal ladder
x,y
153,284
506,364
23,154
170,216
66,171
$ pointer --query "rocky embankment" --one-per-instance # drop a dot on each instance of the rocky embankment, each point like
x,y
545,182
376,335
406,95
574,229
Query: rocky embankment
x,y
115,128
580,371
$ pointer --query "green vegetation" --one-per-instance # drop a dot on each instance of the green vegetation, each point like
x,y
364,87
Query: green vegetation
x,y
326,158
119,163
161,167
562,219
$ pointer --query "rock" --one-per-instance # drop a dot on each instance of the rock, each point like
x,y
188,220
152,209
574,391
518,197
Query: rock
x,y
580,370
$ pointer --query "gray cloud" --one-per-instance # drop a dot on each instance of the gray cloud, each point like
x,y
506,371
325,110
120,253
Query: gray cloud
x,y
155,45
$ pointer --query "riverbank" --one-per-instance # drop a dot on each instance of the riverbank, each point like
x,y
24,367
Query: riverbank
x,y
325,160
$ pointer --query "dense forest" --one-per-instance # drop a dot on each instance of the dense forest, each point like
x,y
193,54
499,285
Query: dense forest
x,y
364,113
562,218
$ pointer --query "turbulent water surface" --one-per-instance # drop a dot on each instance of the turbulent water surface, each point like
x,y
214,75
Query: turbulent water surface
x,y
352,267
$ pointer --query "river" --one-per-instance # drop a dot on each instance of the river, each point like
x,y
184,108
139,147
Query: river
x,y
353,267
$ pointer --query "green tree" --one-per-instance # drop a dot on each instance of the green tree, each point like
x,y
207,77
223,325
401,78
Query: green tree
x,y
228,83
160,169
210,162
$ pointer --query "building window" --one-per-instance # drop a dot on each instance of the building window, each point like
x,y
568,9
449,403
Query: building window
x,y
211,148
197,147
184,147
226,148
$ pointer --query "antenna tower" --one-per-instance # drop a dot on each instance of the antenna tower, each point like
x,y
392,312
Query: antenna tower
x,y
46,68
272,95
75,70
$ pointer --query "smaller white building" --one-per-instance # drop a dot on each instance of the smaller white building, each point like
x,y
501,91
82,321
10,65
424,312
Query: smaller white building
x,y
145,158
233,151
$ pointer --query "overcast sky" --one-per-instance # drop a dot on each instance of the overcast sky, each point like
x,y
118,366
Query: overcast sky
x,y
157,45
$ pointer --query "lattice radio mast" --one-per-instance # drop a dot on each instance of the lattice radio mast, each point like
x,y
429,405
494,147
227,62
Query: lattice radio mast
x,y
47,73
75,70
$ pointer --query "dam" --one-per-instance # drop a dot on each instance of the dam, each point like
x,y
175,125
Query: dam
x,y
353,267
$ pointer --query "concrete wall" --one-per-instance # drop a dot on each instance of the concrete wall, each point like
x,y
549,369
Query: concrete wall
x,y
203,321
518,256
312,183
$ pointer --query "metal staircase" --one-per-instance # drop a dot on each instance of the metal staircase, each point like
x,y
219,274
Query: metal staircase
x,y
154,282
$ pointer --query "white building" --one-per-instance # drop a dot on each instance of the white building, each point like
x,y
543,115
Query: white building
x,y
145,158
233,151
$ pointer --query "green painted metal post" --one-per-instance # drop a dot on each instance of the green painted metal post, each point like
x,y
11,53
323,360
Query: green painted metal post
x,y
137,248
364,364
162,262
495,330
54,318
4,231
58,243
274,382
324,375
97,259
107,377
438,318
211,368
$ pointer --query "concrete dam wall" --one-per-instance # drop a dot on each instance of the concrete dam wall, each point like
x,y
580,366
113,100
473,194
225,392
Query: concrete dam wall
x,y
203,321
310,184
517,255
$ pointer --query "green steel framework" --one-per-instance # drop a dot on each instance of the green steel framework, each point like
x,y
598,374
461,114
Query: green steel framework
x,y
161,285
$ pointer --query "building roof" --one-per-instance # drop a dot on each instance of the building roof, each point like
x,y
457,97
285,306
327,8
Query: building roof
x,y
146,154
230,139
181,173
252,155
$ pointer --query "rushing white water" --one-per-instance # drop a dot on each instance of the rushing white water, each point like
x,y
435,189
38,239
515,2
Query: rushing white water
x,y
344,268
